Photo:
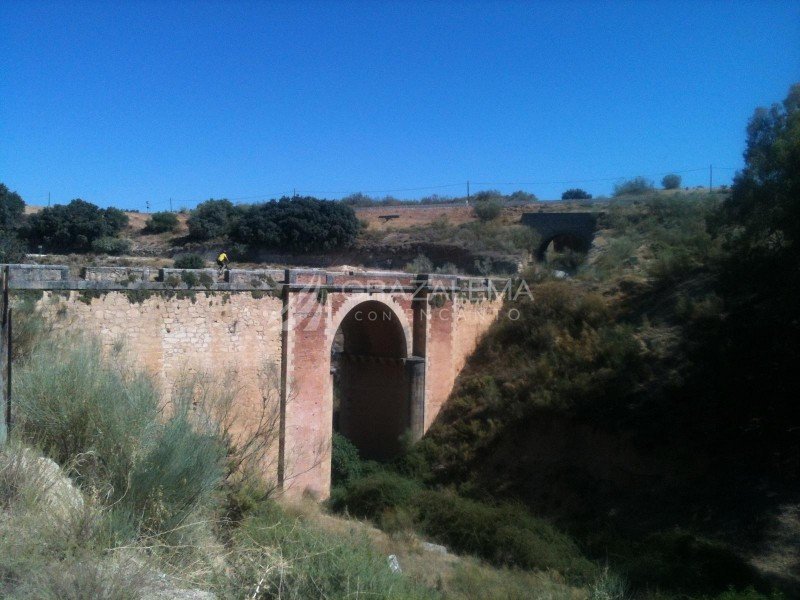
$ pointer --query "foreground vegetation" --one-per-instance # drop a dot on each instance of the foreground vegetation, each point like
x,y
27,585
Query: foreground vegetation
x,y
631,435
643,406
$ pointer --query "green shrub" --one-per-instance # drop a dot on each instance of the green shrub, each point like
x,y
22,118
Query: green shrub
x,y
487,210
671,181
189,278
345,461
303,224
161,222
576,194
421,264
111,245
212,219
73,227
105,421
12,250
189,261
504,535
522,196
487,195
12,209
631,187
369,496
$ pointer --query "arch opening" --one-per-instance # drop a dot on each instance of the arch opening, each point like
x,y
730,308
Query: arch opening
x,y
564,251
371,381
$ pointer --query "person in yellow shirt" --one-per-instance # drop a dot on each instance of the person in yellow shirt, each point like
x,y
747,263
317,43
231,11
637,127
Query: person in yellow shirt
x,y
222,261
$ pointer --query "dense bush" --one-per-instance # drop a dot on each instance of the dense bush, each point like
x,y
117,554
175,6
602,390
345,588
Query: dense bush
x,y
345,462
486,195
111,245
211,219
73,227
487,210
522,196
12,250
303,224
161,222
576,194
369,496
12,209
504,535
189,261
421,264
106,422
632,187
671,181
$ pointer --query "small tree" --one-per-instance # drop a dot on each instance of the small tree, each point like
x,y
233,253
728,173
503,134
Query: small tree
x,y
671,181
576,194
487,210
74,226
522,196
211,219
632,187
12,208
12,250
488,195
161,222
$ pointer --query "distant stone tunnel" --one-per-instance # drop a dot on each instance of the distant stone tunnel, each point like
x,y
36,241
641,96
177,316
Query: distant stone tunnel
x,y
563,230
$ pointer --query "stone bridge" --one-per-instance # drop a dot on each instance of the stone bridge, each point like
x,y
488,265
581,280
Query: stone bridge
x,y
373,355
563,230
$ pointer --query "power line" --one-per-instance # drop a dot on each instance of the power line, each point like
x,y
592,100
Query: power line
x,y
299,191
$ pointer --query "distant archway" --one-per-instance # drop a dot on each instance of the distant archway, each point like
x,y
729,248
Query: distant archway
x,y
371,380
561,242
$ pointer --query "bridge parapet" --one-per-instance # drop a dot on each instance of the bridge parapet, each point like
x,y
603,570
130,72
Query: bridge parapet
x,y
59,277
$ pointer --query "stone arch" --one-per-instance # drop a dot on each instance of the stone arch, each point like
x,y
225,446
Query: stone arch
x,y
371,379
562,240
354,300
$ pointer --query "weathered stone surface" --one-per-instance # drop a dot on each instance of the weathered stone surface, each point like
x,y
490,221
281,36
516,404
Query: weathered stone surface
x,y
272,343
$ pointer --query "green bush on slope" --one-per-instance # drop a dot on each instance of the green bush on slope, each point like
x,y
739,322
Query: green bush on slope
x,y
105,422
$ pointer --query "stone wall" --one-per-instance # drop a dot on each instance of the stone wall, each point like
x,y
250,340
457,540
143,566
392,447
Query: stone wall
x,y
231,337
268,336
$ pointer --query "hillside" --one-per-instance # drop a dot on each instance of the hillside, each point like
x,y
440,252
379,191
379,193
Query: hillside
x,y
447,237
629,407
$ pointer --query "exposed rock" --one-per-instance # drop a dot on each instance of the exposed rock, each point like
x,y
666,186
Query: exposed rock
x,y
435,548
394,564
42,475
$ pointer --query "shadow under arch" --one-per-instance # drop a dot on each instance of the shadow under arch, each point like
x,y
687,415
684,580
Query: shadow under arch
x,y
562,241
371,380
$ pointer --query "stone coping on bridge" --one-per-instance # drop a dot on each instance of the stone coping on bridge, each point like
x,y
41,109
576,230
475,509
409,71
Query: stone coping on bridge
x,y
60,277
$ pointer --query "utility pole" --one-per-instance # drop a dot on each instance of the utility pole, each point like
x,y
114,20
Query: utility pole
x,y
467,192
170,205
48,198
147,204
710,176
5,356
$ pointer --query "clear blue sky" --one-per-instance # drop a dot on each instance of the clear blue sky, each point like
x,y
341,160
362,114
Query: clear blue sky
x,y
120,103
